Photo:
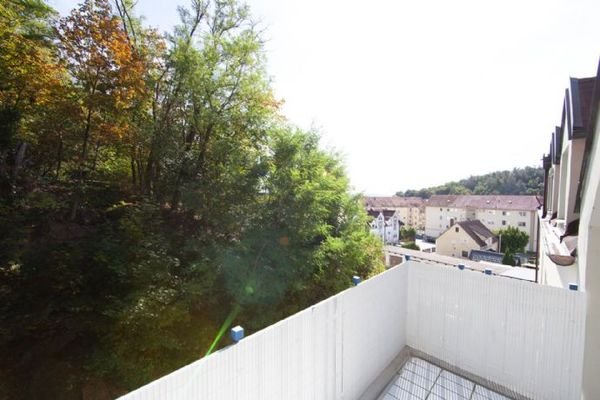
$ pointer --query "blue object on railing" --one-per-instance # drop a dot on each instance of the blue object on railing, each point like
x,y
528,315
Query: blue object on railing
x,y
356,280
237,333
461,266
573,286
488,271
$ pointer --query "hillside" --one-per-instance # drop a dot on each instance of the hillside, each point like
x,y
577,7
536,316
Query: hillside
x,y
522,181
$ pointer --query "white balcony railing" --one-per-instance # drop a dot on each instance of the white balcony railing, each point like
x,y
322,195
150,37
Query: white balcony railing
x,y
524,337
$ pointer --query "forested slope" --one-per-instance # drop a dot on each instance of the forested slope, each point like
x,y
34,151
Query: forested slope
x,y
519,181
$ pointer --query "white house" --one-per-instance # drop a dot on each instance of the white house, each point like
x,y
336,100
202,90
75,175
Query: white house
x,y
385,225
494,211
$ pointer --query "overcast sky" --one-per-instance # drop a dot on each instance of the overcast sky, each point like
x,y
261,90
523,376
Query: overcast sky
x,y
419,93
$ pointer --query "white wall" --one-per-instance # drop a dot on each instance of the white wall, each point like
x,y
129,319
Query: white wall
x,y
332,350
589,272
438,219
524,336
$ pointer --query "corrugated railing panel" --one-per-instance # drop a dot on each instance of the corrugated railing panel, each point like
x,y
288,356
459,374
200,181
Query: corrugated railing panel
x,y
332,350
374,329
526,337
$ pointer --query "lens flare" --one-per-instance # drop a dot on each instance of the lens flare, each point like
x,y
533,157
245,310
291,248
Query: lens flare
x,y
224,328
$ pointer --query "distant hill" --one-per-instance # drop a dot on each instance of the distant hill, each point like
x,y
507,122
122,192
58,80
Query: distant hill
x,y
526,180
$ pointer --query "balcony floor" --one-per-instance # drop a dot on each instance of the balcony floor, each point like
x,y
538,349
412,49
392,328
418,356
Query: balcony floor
x,y
421,380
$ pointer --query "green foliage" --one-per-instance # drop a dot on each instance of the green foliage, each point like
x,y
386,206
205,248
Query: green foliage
x,y
149,190
408,233
411,246
513,240
508,259
519,181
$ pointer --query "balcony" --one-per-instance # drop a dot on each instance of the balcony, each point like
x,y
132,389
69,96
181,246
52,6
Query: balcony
x,y
517,338
557,266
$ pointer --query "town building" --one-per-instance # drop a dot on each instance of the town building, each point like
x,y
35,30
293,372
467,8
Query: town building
x,y
563,172
569,251
494,211
385,225
463,237
410,210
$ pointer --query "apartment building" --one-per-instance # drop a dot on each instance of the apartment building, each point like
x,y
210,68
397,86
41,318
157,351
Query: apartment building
x,y
494,211
410,210
563,169
569,252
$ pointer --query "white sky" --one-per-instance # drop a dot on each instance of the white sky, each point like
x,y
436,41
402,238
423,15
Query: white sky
x,y
419,93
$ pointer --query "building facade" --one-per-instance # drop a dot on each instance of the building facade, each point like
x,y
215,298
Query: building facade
x,y
410,210
494,211
385,225
569,251
463,237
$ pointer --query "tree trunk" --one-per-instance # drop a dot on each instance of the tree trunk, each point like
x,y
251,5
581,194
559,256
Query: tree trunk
x,y
133,172
59,158
97,151
86,139
19,160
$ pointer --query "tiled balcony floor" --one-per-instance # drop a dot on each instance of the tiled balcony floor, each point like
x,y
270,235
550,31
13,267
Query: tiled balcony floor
x,y
421,380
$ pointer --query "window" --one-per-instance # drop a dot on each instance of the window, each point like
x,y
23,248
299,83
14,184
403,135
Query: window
x,y
522,224
522,213
441,209
465,254
503,222
447,209
456,229
440,217
503,213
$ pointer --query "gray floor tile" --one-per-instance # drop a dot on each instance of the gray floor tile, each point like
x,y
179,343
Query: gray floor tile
x,y
411,387
482,393
448,394
428,371
422,381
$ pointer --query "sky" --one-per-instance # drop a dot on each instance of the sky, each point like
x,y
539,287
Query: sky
x,y
419,93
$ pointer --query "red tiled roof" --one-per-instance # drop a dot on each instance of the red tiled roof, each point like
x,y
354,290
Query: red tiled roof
x,y
392,201
492,202
476,230
387,214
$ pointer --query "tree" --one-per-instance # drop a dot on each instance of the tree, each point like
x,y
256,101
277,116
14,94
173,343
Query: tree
x,y
408,233
31,80
108,76
508,259
307,238
519,181
411,246
513,240
194,202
